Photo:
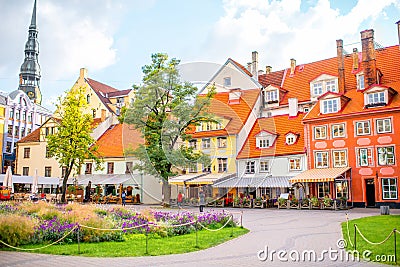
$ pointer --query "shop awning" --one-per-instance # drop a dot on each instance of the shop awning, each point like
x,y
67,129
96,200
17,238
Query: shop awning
x,y
102,179
319,175
255,181
28,180
183,179
210,178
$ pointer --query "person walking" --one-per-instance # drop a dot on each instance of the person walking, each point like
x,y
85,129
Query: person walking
x,y
123,196
88,191
202,200
180,199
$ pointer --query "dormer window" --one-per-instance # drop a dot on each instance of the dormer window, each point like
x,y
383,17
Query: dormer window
x,y
271,96
265,140
324,83
227,81
291,139
360,81
376,98
330,105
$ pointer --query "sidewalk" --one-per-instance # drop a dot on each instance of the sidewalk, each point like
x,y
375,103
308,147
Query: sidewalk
x,y
277,229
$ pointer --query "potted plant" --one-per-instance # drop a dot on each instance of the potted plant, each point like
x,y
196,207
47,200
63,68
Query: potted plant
x,y
282,203
258,203
315,202
237,202
305,203
246,202
294,203
210,202
328,203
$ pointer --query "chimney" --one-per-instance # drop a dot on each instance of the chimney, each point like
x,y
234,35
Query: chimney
x,y
234,96
355,58
398,31
260,72
340,60
368,57
83,73
268,69
293,107
292,66
254,64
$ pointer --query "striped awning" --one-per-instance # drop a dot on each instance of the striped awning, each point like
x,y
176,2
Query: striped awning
x,y
255,181
116,179
210,178
319,175
183,179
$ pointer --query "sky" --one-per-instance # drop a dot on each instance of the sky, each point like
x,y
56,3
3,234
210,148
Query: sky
x,y
113,39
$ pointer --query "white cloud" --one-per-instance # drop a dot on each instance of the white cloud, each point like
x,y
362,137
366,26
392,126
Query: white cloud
x,y
280,30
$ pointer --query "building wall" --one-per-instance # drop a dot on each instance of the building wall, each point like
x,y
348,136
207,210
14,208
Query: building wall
x,y
2,121
352,143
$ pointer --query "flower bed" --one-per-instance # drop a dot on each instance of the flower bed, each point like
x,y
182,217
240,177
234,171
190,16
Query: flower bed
x,y
29,223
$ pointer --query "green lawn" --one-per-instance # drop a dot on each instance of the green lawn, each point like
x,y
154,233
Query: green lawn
x,y
375,229
135,245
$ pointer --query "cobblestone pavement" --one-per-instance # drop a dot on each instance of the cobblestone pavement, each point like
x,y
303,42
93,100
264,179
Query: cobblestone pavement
x,y
287,230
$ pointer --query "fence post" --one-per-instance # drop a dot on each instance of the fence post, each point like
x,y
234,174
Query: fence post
x,y
197,237
79,242
355,236
395,246
241,218
147,239
232,225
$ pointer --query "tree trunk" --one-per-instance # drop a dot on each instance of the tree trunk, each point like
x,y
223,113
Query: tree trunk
x,y
166,191
64,189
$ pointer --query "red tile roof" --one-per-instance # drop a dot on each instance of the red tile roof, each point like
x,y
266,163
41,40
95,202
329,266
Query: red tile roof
x,y
117,139
119,93
387,61
32,137
242,67
274,78
102,90
280,125
237,114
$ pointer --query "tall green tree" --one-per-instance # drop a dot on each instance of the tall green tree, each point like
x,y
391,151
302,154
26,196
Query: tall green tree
x,y
164,109
71,143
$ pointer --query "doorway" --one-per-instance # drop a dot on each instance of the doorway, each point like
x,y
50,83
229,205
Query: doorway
x,y
370,192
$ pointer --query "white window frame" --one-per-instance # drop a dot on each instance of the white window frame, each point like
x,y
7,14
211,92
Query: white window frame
x,y
296,166
321,127
193,143
323,189
331,105
331,86
318,88
222,164
227,81
389,187
383,123
291,139
342,158
263,143
362,124
336,126
383,153
206,143
360,81
376,98
264,163
250,166
365,157
222,144
271,96
320,154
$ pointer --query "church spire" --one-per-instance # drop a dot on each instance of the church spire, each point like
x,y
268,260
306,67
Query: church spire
x,y
29,77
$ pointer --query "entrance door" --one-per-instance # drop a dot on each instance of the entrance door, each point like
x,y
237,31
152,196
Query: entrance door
x,y
370,192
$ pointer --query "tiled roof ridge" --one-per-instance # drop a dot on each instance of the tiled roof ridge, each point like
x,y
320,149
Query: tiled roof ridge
x,y
32,137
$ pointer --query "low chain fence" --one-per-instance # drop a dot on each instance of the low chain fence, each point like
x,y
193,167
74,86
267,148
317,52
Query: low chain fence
x,y
149,225
353,243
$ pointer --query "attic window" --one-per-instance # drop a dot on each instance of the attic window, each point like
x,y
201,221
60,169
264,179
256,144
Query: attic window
x,y
376,99
227,81
325,83
291,139
265,140
330,105
271,96
360,81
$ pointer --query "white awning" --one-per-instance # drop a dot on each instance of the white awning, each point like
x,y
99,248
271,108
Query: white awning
x,y
319,175
210,178
102,179
17,179
183,179
255,181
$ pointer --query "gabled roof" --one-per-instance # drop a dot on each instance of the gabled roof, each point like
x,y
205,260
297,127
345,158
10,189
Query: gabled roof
x,y
237,114
273,78
245,70
298,85
281,125
118,138
119,93
32,137
101,90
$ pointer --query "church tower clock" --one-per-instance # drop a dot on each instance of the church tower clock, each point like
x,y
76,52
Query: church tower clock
x,y
29,77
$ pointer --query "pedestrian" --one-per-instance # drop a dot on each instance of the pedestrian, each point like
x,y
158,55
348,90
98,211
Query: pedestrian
x,y
202,200
87,191
123,196
180,199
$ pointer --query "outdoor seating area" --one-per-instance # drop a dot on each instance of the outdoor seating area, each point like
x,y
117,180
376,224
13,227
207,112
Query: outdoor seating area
x,y
325,203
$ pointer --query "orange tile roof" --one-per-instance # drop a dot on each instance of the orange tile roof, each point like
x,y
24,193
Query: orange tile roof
x,y
118,138
237,114
280,125
386,61
298,85
32,137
